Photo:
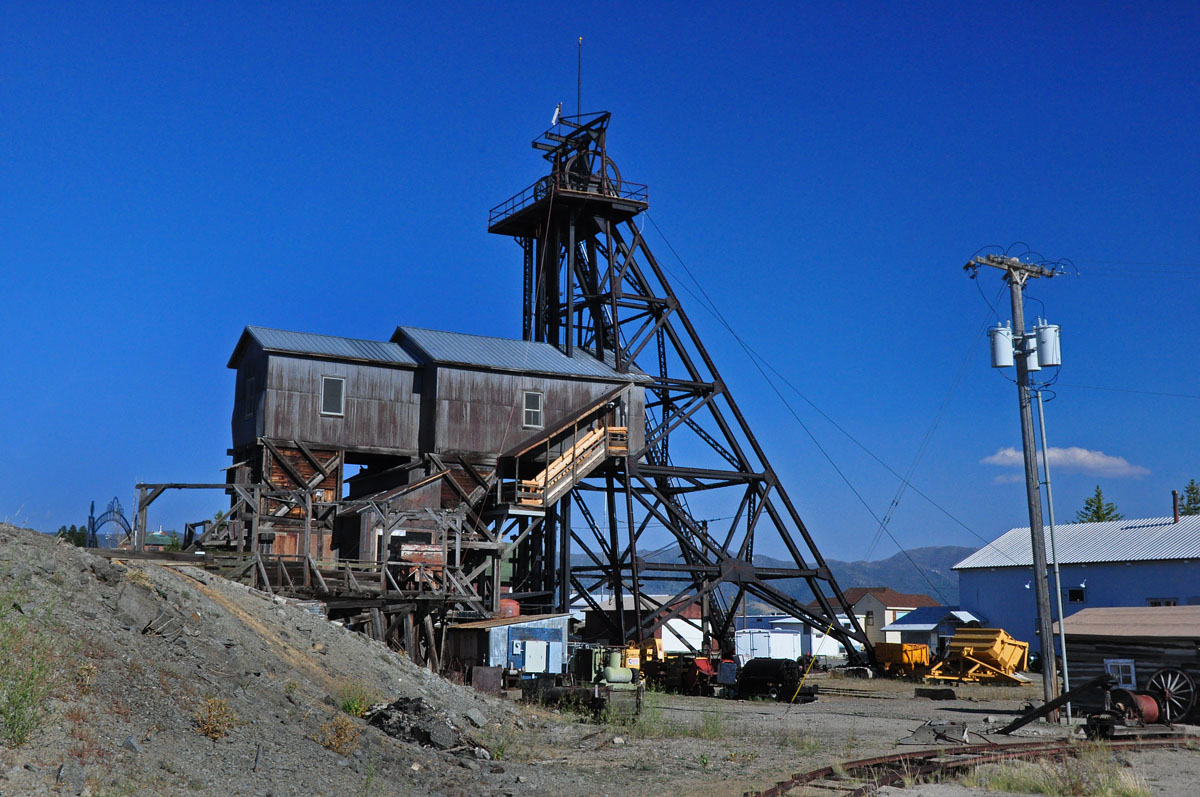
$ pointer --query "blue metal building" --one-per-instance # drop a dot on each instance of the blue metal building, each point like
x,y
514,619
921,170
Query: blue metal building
x,y
1132,562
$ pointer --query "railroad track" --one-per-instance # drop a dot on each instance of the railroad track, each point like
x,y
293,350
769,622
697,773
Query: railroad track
x,y
858,778
842,691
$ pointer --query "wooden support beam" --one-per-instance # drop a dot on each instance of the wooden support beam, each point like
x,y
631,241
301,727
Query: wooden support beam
x,y
431,643
312,459
410,638
376,625
311,568
283,463
261,569
287,577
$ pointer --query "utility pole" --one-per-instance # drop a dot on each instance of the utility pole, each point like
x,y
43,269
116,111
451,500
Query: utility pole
x,y
1062,630
1016,273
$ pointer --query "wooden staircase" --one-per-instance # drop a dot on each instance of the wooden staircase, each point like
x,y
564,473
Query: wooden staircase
x,y
587,452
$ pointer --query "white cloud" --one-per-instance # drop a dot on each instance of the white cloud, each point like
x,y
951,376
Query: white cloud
x,y
1074,459
1008,478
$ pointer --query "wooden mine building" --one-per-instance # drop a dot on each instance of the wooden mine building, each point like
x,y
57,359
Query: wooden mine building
x,y
453,434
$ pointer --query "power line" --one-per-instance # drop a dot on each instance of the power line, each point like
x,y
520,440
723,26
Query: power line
x,y
755,360
709,306
1131,390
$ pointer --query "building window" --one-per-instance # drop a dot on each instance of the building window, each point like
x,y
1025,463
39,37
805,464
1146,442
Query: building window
x,y
1162,601
870,618
333,395
1075,595
248,398
533,410
1123,671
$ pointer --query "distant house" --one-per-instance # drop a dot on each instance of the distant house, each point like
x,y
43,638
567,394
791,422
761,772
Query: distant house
x,y
932,626
879,606
1150,562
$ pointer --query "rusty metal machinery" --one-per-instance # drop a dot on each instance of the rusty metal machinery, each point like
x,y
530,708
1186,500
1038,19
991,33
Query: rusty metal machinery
x,y
591,284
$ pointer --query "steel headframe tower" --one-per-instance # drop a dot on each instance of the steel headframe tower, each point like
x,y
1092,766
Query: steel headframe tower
x,y
591,283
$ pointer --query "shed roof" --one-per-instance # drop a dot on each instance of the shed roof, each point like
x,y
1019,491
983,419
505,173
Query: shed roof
x,y
508,354
927,618
1168,622
497,622
1132,540
330,346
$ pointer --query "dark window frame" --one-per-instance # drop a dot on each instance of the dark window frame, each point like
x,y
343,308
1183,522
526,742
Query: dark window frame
x,y
341,413
1076,595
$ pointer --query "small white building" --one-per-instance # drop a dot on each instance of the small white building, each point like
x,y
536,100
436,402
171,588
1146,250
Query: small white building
x,y
810,641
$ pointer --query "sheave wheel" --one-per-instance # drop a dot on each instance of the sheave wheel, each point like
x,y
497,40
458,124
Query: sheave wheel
x,y
1175,690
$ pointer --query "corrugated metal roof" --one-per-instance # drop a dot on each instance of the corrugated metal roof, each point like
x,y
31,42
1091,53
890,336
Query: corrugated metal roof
x,y
1136,540
508,354
280,340
1170,622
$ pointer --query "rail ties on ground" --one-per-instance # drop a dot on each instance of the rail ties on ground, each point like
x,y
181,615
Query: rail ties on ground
x,y
865,776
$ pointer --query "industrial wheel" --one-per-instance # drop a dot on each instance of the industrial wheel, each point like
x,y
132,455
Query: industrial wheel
x,y
1175,691
592,172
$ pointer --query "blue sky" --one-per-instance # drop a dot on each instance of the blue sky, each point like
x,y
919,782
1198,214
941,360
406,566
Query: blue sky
x,y
173,172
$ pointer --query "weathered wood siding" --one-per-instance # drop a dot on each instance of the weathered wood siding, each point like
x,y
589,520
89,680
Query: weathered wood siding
x,y
250,387
1086,655
381,409
481,413
290,543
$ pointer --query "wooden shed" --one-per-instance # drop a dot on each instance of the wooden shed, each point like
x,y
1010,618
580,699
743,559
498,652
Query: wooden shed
x,y
426,401
1142,647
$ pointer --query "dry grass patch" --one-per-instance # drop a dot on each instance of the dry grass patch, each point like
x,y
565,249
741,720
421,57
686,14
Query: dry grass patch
x,y
1092,772
338,735
215,718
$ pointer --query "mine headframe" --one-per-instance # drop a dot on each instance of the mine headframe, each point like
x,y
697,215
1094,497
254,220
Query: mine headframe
x,y
591,283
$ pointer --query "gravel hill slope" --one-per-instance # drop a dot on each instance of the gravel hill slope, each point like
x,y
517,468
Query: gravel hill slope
x,y
131,653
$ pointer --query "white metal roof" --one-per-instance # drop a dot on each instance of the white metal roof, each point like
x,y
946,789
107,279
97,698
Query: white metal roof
x,y
1131,540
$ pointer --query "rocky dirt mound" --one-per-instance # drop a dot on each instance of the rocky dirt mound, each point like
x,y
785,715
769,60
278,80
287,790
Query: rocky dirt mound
x,y
139,678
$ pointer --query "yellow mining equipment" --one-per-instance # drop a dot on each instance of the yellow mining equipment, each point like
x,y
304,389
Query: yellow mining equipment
x,y
902,658
983,655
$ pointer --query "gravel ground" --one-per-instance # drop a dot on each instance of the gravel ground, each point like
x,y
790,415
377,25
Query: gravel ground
x,y
121,719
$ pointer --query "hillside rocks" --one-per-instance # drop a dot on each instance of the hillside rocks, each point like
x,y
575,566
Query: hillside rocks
x,y
137,650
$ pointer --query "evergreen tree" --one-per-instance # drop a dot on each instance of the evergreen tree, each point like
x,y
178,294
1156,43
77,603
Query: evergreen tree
x,y
1190,505
1096,509
77,536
